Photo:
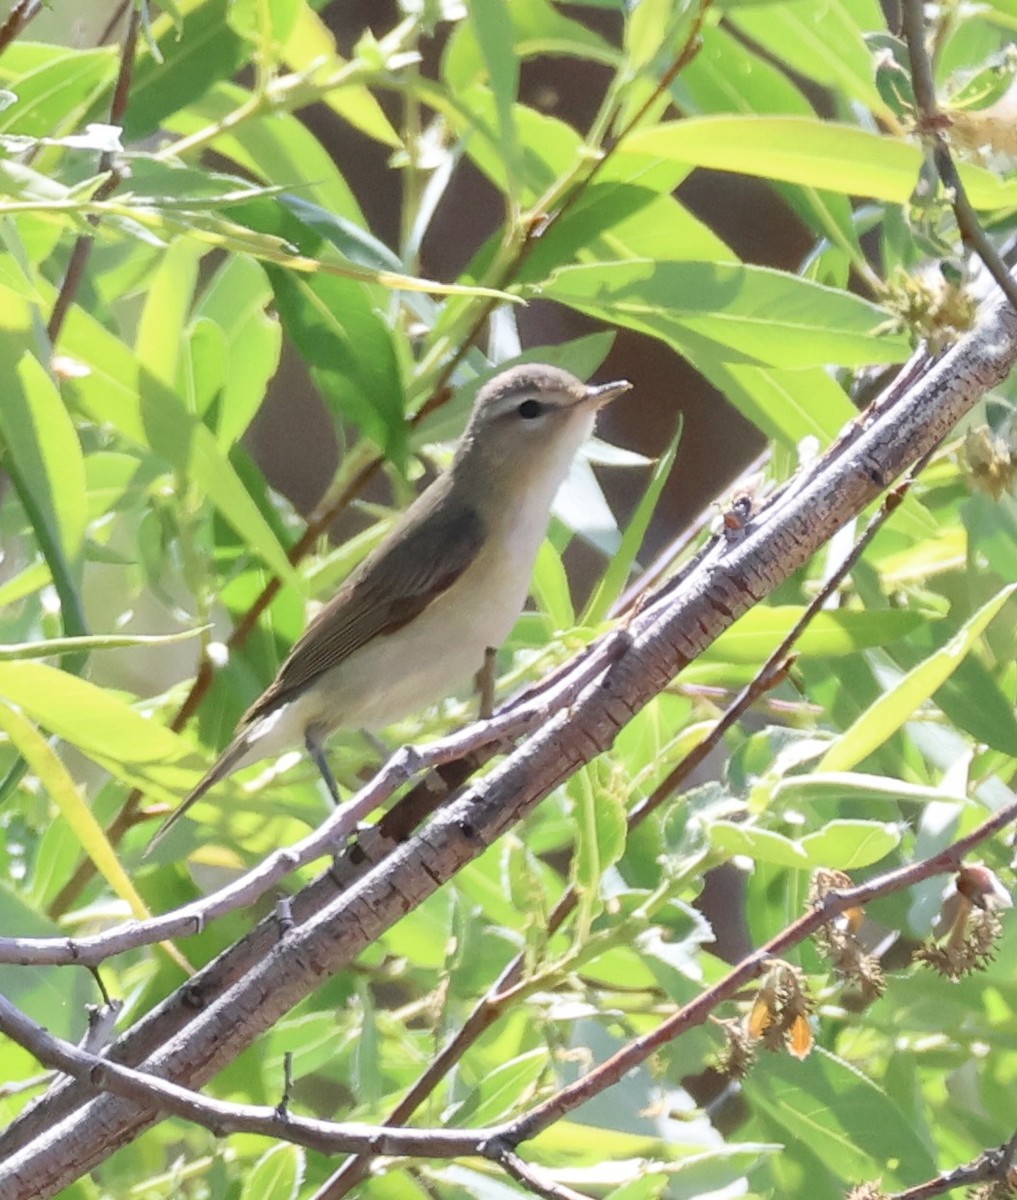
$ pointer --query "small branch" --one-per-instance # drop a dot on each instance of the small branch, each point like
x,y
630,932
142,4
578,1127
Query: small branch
x,y
151,1092
221,1118
80,254
992,1166
931,122
530,1177
113,22
19,16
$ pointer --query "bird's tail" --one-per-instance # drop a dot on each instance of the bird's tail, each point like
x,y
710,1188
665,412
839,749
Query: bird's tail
x,y
230,759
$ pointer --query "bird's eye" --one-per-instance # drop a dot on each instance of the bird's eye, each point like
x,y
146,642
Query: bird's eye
x,y
529,409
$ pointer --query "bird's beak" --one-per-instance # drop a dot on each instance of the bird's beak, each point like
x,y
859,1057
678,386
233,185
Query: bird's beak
x,y
601,394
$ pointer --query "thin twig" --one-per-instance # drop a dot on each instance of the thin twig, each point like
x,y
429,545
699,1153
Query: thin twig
x,y
101,1075
931,123
531,1178
993,1165
19,16
78,261
113,22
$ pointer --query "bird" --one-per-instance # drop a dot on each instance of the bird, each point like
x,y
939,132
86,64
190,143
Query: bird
x,y
418,616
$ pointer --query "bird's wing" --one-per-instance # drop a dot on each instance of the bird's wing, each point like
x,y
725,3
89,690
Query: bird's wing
x,y
422,557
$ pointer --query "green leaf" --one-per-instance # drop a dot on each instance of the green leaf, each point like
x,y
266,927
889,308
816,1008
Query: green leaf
x,y
237,300
44,458
276,148
784,405
348,349
613,581
502,1091
833,51
621,220
727,75
761,845
55,89
847,845
266,23
902,702
754,636
191,447
205,51
60,787
142,753
551,589
990,721
551,145
277,1175
167,305
755,314
856,787
310,43
496,38
820,154
51,647
645,30
849,1122
601,831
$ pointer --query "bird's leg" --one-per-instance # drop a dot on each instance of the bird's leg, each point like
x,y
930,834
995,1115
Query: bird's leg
x,y
314,749
485,683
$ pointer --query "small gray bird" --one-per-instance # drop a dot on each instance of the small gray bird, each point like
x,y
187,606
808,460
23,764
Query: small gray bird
x,y
415,619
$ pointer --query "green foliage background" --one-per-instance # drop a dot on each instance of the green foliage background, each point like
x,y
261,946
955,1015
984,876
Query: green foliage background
x,y
132,508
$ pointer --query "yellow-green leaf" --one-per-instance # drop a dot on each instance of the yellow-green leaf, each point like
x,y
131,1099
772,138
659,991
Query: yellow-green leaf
x,y
882,719
53,776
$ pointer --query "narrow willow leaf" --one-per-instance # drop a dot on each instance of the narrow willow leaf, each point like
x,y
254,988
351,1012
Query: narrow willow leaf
x,y
758,315
551,588
44,458
277,1175
496,38
52,774
269,148
613,581
756,634
806,150
55,95
784,405
183,64
899,705
143,753
167,306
